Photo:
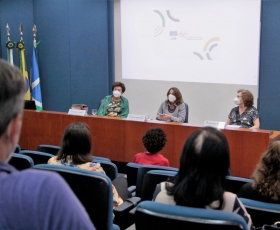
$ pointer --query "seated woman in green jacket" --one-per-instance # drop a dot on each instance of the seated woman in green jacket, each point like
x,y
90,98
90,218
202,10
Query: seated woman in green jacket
x,y
114,105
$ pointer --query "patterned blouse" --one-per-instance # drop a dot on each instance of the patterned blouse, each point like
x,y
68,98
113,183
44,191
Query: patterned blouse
x,y
96,167
114,109
246,119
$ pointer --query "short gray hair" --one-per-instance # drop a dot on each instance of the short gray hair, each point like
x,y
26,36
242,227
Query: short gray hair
x,y
12,89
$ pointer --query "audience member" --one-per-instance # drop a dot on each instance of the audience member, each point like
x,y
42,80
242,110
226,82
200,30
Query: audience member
x,y
75,150
154,141
204,164
30,199
245,114
173,108
266,184
115,105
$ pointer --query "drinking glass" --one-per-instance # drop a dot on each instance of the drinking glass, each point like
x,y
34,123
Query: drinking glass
x,y
94,111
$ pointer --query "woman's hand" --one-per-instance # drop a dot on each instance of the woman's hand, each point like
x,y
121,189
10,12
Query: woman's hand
x,y
166,117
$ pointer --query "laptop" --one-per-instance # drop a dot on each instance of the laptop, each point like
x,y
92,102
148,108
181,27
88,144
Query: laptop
x,y
28,104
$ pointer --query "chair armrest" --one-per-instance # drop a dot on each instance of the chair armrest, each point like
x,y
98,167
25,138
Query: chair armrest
x,y
127,205
132,211
132,188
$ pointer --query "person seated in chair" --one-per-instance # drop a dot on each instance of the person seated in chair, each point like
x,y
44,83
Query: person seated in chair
x,y
173,108
245,114
75,152
154,141
199,183
114,105
266,178
30,199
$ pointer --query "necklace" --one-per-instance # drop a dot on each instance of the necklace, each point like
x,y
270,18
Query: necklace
x,y
170,110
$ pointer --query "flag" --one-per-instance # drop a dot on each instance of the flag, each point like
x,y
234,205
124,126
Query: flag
x,y
35,80
10,45
22,64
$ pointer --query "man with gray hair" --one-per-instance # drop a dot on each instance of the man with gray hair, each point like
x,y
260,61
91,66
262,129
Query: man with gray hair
x,y
30,199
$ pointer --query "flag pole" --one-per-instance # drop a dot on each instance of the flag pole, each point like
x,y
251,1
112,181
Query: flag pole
x,y
9,45
22,63
35,78
34,29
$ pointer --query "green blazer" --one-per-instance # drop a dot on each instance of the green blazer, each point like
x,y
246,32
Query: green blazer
x,y
105,102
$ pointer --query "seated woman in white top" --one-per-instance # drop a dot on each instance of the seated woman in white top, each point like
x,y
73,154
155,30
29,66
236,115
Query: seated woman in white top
x,y
172,109
204,164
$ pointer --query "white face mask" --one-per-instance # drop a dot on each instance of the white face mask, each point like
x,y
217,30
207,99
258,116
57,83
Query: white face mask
x,y
236,101
117,93
171,98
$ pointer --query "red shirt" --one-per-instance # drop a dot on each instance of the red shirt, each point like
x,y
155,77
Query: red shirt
x,y
151,159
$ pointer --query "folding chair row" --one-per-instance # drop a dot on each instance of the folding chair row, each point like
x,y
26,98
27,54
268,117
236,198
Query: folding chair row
x,y
53,149
261,212
28,158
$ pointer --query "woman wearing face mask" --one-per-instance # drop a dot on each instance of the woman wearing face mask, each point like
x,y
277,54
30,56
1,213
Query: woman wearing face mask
x,y
114,105
173,109
245,114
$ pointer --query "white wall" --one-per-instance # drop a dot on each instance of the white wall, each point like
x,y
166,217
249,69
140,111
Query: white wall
x,y
206,101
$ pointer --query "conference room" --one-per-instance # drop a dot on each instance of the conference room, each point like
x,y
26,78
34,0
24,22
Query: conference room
x,y
207,49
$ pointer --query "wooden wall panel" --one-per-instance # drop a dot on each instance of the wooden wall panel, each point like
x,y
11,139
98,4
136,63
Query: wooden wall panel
x,y
120,139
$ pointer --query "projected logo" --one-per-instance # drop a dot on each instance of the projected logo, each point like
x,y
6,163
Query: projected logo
x,y
209,47
160,28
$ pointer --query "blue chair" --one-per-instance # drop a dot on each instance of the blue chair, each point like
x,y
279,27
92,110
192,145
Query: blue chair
x,y
21,162
99,159
261,212
37,157
94,190
132,171
142,170
52,149
18,149
152,215
110,169
234,184
150,181
187,113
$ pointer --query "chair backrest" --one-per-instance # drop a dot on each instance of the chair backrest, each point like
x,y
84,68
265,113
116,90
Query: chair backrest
x,y
21,162
234,184
150,181
187,113
131,170
110,169
52,149
94,190
136,172
18,149
153,215
143,170
261,212
37,157
97,159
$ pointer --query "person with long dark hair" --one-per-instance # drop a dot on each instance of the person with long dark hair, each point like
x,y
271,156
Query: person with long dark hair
x,y
204,164
75,151
173,108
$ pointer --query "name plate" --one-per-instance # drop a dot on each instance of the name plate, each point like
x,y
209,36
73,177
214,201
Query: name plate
x,y
77,112
136,117
215,124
